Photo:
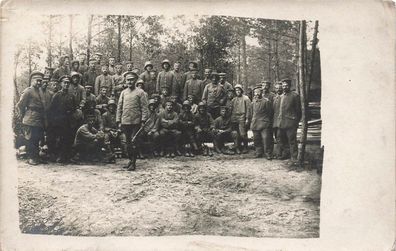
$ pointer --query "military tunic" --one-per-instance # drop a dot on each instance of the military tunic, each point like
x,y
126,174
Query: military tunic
x,y
103,81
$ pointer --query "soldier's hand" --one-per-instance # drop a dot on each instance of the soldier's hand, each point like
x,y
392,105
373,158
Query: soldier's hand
x,y
119,125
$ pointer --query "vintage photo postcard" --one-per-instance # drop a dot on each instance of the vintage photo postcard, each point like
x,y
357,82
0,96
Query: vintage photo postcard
x,y
205,125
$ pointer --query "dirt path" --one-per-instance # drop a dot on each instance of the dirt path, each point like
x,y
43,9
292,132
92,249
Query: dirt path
x,y
236,197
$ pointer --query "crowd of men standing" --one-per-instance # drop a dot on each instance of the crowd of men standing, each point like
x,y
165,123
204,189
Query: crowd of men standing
x,y
83,111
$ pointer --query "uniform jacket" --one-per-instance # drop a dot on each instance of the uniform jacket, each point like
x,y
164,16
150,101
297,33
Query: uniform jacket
x,y
261,114
186,120
222,124
145,76
100,100
78,91
240,107
109,121
187,76
83,69
59,72
118,84
203,121
112,70
62,107
153,123
289,110
166,79
204,83
90,77
168,120
179,80
101,81
85,135
214,95
193,87
98,123
270,95
132,107
90,97
227,86
31,107
47,98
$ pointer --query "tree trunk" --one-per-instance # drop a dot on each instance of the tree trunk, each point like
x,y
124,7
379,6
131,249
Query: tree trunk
x,y
239,64
130,45
49,59
89,37
244,63
119,39
301,68
269,60
71,37
30,57
313,52
17,95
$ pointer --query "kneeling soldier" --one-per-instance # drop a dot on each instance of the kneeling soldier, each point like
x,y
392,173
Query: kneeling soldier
x,y
204,128
186,119
261,117
151,128
222,131
170,135
89,142
113,135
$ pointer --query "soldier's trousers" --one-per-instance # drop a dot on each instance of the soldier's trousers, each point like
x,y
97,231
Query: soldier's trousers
x,y
221,138
239,128
130,131
154,138
170,138
33,134
204,136
262,141
214,111
288,137
65,137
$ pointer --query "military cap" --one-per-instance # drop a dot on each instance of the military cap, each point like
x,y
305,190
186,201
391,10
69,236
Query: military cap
x,y
194,63
238,86
151,102
64,77
65,56
111,57
118,63
222,74
169,101
130,73
207,70
75,62
223,107
36,73
74,73
140,81
92,61
201,104
165,61
257,87
98,54
231,90
91,116
155,95
266,82
147,64
128,62
214,72
186,103
286,80
88,87
47,68
46,77
111,102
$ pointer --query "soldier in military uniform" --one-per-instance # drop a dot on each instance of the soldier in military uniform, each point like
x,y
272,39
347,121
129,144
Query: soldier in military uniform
x,y
214,96
289,116
128,66
169,130
102,100
118,81
179,80
88,92
75,88
224,82
131,114
82,56
207,78
90,75
151,128
104,79
222,131
31,111
276,122
63,68
145,76
150,85
186,120
266,89
240,108
113,136
49,71
204,129
75,66
193,86
62,107
98,63
166,78
192,66
112,66
47,98
261,123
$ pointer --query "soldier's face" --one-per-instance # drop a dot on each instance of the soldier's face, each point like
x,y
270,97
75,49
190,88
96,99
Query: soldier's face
x,y
151,107
140,86
90,122
65,84
285,87
97,57
190,99
75,66
186,108
152,75
111,61
266,87
214,79
81,58
88,90
201,110
129,67
157,99
230,95
118,69
130,82
257,94
168,107
36,81
112,108
149,68
194,74
279,89
104,69
67,61
44,84
75,79
103,91
191,66
222,79
238,92
165,92
223,112
176,66
207,73
166,66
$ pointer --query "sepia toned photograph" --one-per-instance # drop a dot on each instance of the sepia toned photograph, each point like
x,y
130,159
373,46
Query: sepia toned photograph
x,y
168,125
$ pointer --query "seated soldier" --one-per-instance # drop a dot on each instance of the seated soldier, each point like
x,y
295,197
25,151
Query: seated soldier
x,y
113,136
194,107
157,100
89,142
222,131
176,106
89,95
164,97
203,122
186,120
89,109
151,128
102,99
170,135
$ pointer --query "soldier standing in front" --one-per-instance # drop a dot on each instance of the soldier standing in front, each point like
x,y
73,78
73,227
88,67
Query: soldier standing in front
x,y
131,114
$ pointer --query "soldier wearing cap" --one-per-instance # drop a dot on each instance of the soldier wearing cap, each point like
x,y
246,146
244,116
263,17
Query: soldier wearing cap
x,y
192,66
90,75
88,141
112,62
164,97
151,128
214,96
118,81
129,65
47,97
169,132
75,66
166,78
49,71
89,93
230,97
240,108
113,136
289,116
194,106
186,120
276,122
222,131
61,110
104,79
266,88
179,80
176,106
76,88
204,123
131,113
261,123
82,56
150,84
102,99
62,69
193,86
224,82
30,109
145,76
207,77
98,64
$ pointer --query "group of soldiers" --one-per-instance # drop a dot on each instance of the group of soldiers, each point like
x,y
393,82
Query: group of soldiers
x,y
83,111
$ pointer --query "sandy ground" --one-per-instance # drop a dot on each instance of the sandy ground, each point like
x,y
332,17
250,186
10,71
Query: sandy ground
x,y
221,195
